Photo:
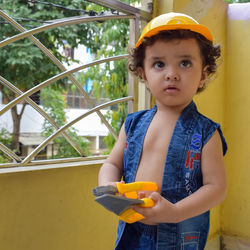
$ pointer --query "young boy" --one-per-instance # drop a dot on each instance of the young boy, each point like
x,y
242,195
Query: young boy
x,y
171,144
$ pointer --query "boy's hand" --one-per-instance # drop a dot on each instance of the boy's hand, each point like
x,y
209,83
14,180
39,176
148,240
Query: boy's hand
x,y
163,211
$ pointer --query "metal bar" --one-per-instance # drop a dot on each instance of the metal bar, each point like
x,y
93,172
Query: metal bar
x,y
66,160
8,152
132,80
55,78
63,128
64,22
44,114
54,162
60,66
123,7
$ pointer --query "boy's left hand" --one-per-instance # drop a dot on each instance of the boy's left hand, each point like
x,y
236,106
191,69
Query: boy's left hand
x,y
163,211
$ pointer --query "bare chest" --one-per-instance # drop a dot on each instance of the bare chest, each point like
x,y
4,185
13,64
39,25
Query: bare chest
x,y
154,152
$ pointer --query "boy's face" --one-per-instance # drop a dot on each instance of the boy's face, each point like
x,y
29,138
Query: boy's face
x,y
173,72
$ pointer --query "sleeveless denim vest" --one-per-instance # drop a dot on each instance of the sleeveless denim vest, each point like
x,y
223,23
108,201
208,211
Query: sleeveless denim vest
x,y
182,173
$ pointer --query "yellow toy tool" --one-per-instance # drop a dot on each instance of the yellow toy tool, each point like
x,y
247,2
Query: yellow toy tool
x,y
111,198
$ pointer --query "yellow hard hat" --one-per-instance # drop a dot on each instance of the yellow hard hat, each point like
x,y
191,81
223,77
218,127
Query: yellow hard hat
x,y
173,21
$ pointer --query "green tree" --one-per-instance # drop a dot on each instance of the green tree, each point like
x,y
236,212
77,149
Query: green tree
x,y
5,139
22,63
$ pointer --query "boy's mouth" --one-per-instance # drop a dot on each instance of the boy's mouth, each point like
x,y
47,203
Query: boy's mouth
x,y
171,89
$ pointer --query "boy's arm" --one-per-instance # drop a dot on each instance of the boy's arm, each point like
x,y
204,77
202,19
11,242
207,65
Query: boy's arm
x,y
111,170
209,195
214,186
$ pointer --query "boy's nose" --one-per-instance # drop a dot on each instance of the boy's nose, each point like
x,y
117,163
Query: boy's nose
x,y
172,74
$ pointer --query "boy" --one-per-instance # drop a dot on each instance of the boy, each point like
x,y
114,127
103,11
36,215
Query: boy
x,y
171,144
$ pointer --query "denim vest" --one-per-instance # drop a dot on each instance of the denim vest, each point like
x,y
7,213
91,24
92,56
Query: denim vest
x,y
182,173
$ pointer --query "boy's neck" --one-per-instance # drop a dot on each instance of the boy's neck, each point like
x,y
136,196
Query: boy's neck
x,y
170,110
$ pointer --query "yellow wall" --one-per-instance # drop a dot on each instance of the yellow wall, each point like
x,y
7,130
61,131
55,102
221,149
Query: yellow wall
x,y
54,210
211,102
236,209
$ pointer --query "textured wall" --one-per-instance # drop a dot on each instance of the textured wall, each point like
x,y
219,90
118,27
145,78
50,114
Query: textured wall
x,y
236,209
54,210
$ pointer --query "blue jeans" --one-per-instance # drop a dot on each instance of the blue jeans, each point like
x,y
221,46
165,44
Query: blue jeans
x,y
138,236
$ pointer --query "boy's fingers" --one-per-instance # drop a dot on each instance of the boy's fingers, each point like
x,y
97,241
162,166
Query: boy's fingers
x,y
141,195
155,196
147,211
140,210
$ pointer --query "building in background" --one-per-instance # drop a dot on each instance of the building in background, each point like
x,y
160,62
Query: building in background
x,y
89,127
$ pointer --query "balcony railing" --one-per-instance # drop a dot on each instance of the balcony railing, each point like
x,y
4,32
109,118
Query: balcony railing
x,y
135,16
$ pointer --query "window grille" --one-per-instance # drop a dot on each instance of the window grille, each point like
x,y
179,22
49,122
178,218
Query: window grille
x,y
119,11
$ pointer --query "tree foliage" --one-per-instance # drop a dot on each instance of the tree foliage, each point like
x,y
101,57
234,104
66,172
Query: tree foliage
x,y
24,65
5,139
111,80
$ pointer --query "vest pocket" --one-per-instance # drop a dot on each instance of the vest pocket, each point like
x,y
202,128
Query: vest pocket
x,y
190,241
192,246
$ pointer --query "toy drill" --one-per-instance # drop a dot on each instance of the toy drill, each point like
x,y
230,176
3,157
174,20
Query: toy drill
x,y
119,199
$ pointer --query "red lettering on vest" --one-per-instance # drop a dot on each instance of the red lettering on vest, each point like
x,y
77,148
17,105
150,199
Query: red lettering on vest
x,y
190,160
187,160
190,237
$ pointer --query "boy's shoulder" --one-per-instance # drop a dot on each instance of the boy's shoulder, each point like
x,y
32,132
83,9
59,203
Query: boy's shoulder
x,y
136,118
209,127
207,121
192,112
205,118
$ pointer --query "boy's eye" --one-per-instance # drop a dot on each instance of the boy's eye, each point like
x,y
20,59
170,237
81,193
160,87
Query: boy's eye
x,y
186,63
158,65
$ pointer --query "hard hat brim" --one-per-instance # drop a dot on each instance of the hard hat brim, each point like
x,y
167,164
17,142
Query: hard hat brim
x,y
201,29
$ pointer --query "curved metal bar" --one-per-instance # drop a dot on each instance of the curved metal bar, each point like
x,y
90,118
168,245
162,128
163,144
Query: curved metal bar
x,y
34,40
63,22
60,66
63,128
8,152
123,7
55,78
54,163
44,114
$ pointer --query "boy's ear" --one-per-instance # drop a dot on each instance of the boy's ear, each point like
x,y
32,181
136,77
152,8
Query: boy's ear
x,y
143,77
141,74
204,75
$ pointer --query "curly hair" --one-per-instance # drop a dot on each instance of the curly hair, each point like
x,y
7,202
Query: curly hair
x,y
209,52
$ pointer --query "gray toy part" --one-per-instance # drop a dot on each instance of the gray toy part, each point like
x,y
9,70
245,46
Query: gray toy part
x,y
101,190
117,204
